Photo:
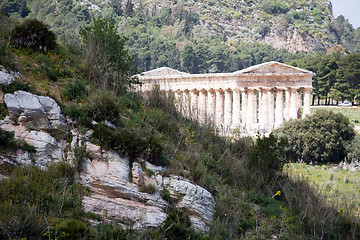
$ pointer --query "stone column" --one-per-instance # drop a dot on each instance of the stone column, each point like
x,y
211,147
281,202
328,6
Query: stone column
x,y
299,104
307,102
186,104
257,105
271,108
178,100
244,106
236,109
219,107
194,99
202,106
250,107
287,104
228,108
211,106
293,104
279,109
263,111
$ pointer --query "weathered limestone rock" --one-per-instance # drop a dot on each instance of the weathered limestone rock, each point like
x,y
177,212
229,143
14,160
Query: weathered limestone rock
x,y
114,194
194,198
111,189
6,77
35,112
48,149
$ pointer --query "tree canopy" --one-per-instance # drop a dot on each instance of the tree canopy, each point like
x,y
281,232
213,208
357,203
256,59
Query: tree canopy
x,y
108,63
317,138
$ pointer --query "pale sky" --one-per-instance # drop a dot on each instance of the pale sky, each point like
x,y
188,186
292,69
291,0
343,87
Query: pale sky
x,y
350,9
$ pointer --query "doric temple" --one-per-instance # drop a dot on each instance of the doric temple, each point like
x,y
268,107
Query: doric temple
x,y
256,99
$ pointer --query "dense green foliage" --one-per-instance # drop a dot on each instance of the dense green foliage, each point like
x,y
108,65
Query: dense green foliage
x,y
9,7
35,35
108,64
254,199
337,77
15,86
353,150
318,138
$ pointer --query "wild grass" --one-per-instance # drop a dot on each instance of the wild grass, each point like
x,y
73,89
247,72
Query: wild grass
x,y
340,187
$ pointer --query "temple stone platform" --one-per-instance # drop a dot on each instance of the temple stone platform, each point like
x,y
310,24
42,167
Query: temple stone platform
x,y
250,101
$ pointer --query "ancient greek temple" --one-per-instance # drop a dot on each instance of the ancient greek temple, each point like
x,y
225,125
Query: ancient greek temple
x,y
256,99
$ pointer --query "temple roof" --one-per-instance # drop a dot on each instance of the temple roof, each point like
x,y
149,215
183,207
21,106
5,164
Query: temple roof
x,y
164,71
273,68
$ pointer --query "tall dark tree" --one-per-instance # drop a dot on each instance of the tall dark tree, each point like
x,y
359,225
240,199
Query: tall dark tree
x,y
349,73
188,60
33,34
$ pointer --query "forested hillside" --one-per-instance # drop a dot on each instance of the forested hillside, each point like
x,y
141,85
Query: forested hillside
x,y
202,36
253,195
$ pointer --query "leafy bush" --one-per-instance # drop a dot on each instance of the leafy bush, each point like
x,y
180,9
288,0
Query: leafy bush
x,y
353,150
318,138
16,86
35,35
7,140
74,91
176,226
267,156
3,111
275,7
73,111
103,106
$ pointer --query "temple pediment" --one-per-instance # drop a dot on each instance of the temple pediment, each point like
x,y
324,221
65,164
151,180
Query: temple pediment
x,y
275,68
164,71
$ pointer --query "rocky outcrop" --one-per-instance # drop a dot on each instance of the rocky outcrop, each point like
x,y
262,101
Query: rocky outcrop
x,y
7,77
114,194
34,112
48,149
113,181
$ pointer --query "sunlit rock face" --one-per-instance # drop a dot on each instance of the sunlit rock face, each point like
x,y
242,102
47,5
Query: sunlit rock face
x,y
34,112
114,194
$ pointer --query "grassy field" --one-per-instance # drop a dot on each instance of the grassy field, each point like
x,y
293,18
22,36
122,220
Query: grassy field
x,y
340,187
353,113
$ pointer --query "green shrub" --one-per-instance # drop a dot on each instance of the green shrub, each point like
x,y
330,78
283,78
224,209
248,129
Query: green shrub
x,y
147,188
74,111
176,226
103,106
318,138
68,229
267,156
33,34
80,155
353,150
17,85
275,7
74,91
3,110
165,194
7,140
